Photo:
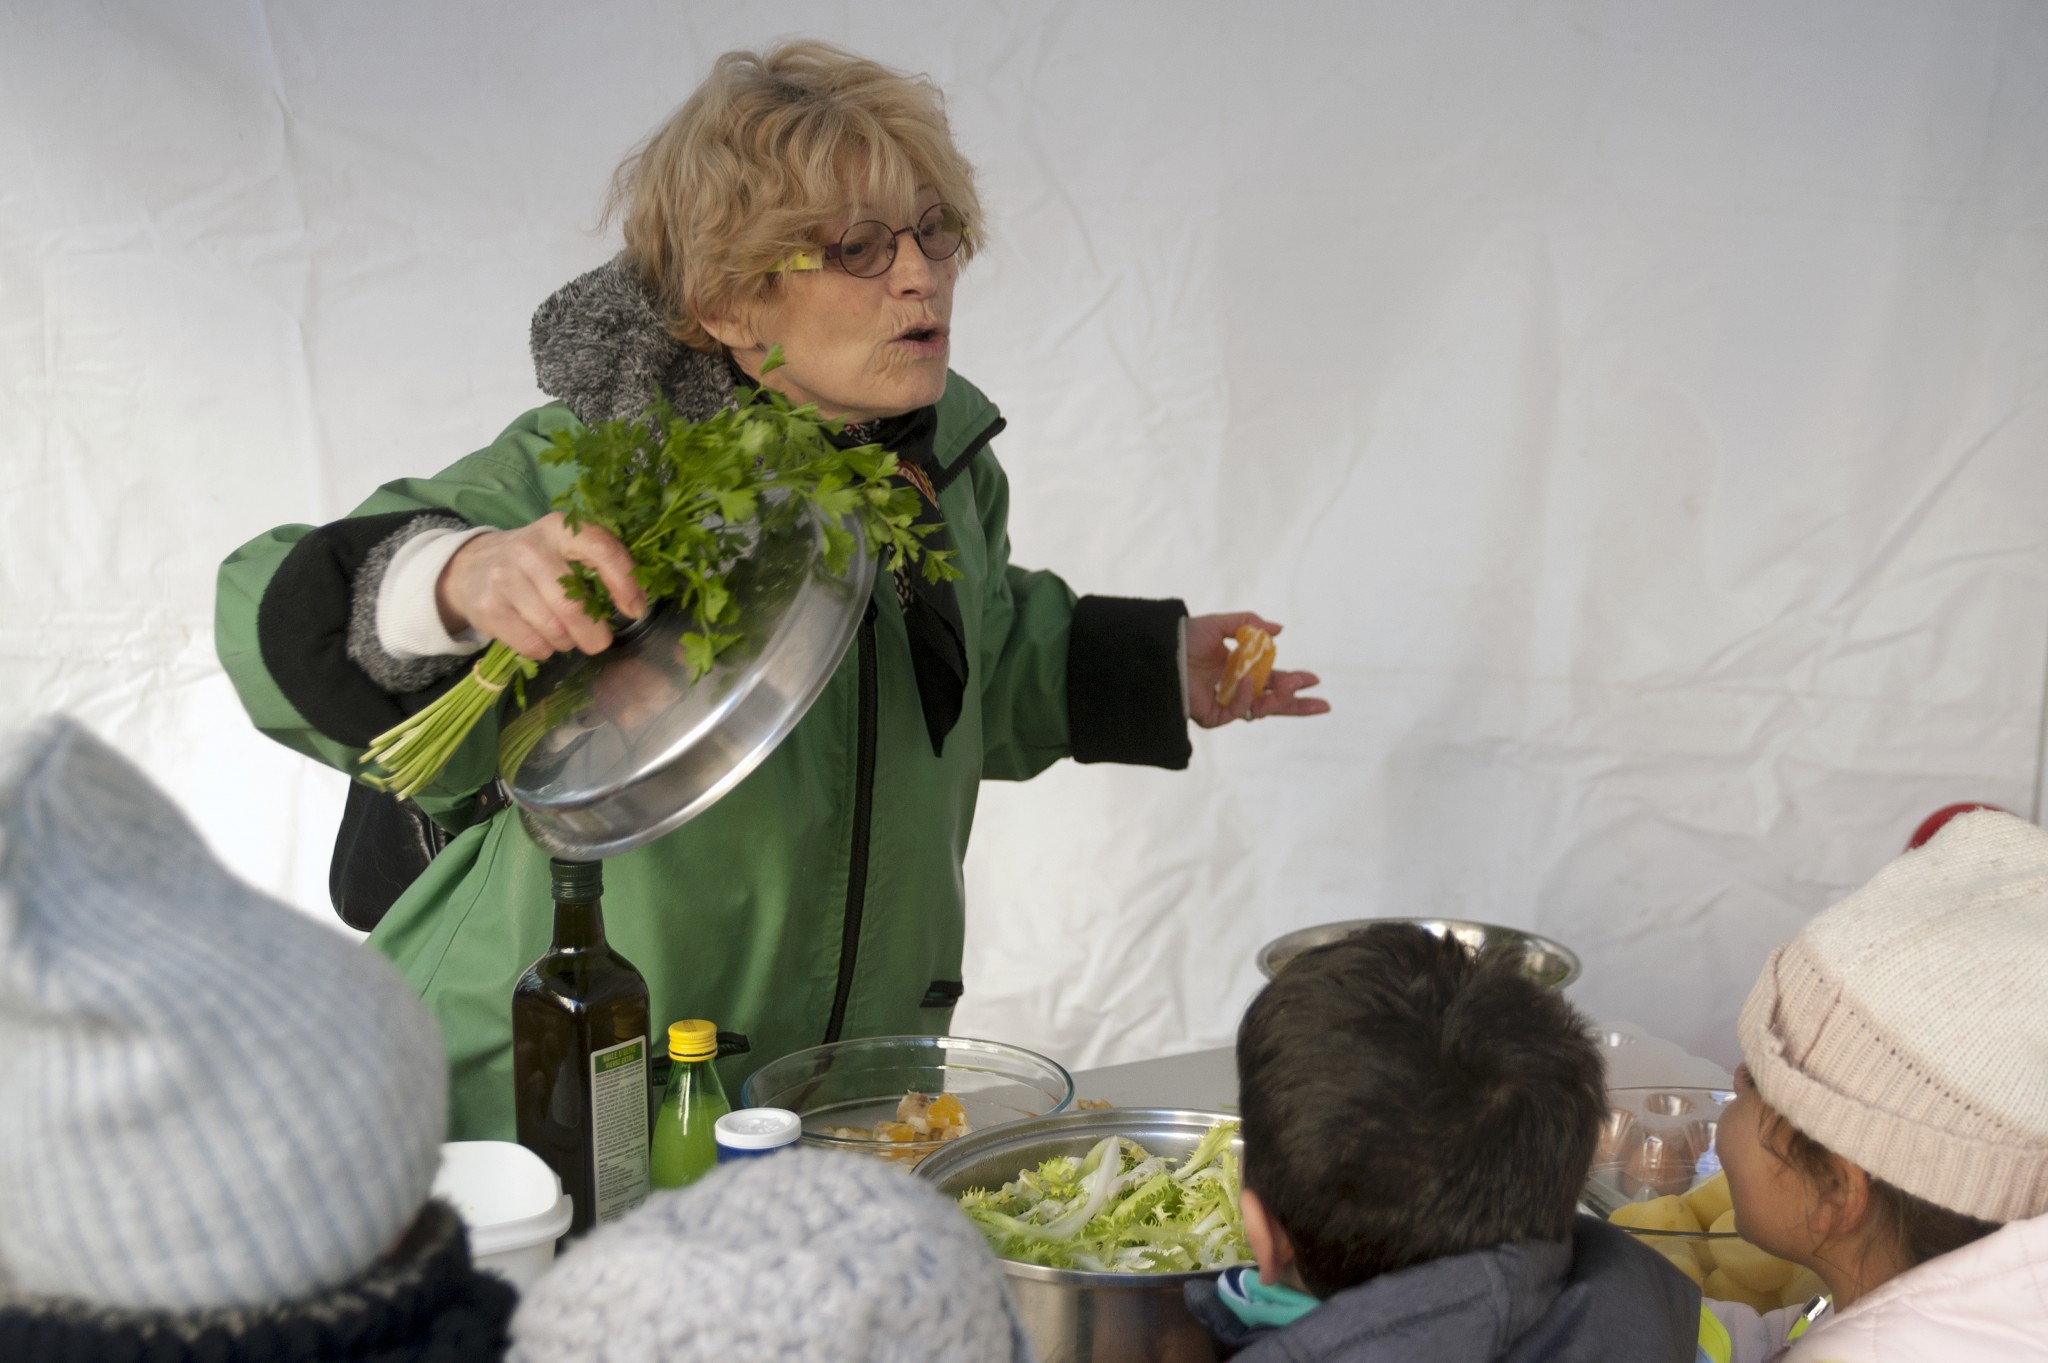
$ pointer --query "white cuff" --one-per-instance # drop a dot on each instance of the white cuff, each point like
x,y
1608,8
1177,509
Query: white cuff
x,y
1181,649
408,620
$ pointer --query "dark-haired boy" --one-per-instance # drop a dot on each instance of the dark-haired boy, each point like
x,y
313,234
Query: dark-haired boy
x,y
1418,1123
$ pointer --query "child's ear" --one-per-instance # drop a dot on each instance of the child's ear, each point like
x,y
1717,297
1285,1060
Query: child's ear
x,y
1843,1203
1270,1245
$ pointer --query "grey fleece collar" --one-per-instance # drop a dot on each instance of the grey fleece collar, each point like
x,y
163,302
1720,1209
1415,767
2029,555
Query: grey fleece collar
x,y
599,346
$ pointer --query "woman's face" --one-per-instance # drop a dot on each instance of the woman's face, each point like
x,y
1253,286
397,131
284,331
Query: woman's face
x,y
1772,1202
859,348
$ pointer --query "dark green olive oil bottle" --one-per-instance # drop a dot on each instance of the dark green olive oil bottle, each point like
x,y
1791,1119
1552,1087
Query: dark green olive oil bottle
x,y
579,1056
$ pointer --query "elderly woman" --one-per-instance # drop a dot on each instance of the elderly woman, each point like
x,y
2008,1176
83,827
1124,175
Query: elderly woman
x,y
802,198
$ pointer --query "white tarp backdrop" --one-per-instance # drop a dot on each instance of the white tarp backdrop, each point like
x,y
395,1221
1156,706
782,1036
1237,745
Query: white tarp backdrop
x,y
1633,409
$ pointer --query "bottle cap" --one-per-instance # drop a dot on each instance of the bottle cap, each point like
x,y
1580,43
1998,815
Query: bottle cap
x,y
758,1128
576,882
694,1039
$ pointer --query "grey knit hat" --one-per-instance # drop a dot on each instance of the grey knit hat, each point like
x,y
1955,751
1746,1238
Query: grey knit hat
x,y
1906,1028
801,1255
207,1099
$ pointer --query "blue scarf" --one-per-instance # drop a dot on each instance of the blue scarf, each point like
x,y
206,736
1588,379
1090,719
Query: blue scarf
x,y
1261,1305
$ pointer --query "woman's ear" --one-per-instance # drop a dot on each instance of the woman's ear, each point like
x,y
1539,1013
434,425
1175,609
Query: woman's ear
x,y
1270,1245
733,329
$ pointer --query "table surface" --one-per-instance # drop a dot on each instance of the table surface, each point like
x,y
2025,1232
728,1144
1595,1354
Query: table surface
x,y
1207,1080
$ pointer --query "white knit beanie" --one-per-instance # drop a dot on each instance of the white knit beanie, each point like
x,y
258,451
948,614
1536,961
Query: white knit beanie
x,y
802,1255
1906,1028
206,1098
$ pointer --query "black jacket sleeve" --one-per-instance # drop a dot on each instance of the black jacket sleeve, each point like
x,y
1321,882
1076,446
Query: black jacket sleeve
x,y
1126,688
303,628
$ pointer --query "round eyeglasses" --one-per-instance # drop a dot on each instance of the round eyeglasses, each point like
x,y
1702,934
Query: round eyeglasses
x,y
868,249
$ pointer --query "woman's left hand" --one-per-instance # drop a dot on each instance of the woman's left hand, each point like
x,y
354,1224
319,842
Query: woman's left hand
x,y
1207,656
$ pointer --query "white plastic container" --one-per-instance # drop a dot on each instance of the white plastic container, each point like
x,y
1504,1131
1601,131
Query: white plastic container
x,y
753,1132
512,1203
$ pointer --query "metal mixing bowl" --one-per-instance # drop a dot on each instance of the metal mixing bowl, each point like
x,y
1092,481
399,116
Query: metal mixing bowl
x,y
1546,961
626,745
1073,1316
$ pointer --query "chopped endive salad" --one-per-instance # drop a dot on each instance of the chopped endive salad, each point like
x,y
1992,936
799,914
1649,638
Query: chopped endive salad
x,y
1120,1209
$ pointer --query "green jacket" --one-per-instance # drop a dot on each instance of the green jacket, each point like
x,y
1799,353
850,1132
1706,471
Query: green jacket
x,y
823,896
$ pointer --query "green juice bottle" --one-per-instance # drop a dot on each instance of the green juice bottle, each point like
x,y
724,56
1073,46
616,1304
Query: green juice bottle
x,y
684,1145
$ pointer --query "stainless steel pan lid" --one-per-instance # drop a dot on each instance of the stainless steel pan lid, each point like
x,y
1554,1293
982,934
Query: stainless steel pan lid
x,y
626,747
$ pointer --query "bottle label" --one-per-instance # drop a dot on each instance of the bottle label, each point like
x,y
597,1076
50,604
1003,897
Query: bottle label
x,y
618,1127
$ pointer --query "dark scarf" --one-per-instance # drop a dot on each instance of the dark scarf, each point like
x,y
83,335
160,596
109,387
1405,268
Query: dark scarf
x,y
931,610
423,1303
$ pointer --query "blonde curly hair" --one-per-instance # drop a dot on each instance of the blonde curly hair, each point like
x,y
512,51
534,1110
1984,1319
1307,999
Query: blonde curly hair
x,y
770,148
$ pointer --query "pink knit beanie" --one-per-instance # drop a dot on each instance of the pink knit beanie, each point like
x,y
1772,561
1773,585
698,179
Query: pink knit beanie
x,y
1906,1028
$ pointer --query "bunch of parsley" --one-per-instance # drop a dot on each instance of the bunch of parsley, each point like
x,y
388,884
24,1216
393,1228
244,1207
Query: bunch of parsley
x,y
688,500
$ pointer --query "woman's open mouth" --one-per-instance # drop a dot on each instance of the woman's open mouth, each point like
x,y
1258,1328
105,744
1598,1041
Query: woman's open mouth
x,y
924,340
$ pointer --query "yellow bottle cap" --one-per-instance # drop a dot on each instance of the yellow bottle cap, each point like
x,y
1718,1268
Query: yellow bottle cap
x,y
694,1039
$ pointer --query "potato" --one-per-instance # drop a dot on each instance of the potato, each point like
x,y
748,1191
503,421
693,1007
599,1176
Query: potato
x,y
1659,1213
1721,1287
1745,1263
1679,1254
1803,1287
1709,1199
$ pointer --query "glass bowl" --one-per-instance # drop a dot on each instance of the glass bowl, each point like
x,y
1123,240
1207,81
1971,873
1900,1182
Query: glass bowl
x,y
1655,1142
1658,1143
1543,960
857,1084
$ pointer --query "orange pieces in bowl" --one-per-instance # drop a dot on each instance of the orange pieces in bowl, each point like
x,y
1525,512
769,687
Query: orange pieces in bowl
x,y
921,1117
920,1120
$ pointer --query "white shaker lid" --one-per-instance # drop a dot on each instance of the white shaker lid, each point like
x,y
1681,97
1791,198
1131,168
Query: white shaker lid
x,y
758,1128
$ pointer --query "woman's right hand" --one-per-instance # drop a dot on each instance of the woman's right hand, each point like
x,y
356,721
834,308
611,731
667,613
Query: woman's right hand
x,y
506,584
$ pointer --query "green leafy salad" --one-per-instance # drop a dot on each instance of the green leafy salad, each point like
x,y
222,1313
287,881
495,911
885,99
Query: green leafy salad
x,y
1120,1209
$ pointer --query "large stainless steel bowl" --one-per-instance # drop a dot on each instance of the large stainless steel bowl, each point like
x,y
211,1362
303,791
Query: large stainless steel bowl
x,y
1546,961
629,746
1072,1316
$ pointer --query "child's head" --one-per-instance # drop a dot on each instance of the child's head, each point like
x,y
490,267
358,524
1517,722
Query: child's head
x,y
211,1100
802,1255
1893,1104
1405,1100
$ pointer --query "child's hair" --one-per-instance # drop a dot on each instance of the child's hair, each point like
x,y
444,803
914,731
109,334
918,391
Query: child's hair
x,y
1917,1228
1405,1100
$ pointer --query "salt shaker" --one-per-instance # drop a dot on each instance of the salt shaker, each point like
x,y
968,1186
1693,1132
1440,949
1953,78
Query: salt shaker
x,y
755,1131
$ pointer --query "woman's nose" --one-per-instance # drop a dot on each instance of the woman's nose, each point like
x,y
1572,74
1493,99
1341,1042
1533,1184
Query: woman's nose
x,y
911,275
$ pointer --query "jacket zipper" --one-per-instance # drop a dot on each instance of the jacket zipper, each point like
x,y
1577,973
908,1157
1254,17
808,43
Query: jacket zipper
x,y
864,776
863,820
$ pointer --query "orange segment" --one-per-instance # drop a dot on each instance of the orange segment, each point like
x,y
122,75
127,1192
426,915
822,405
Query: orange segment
x,y
1251,657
